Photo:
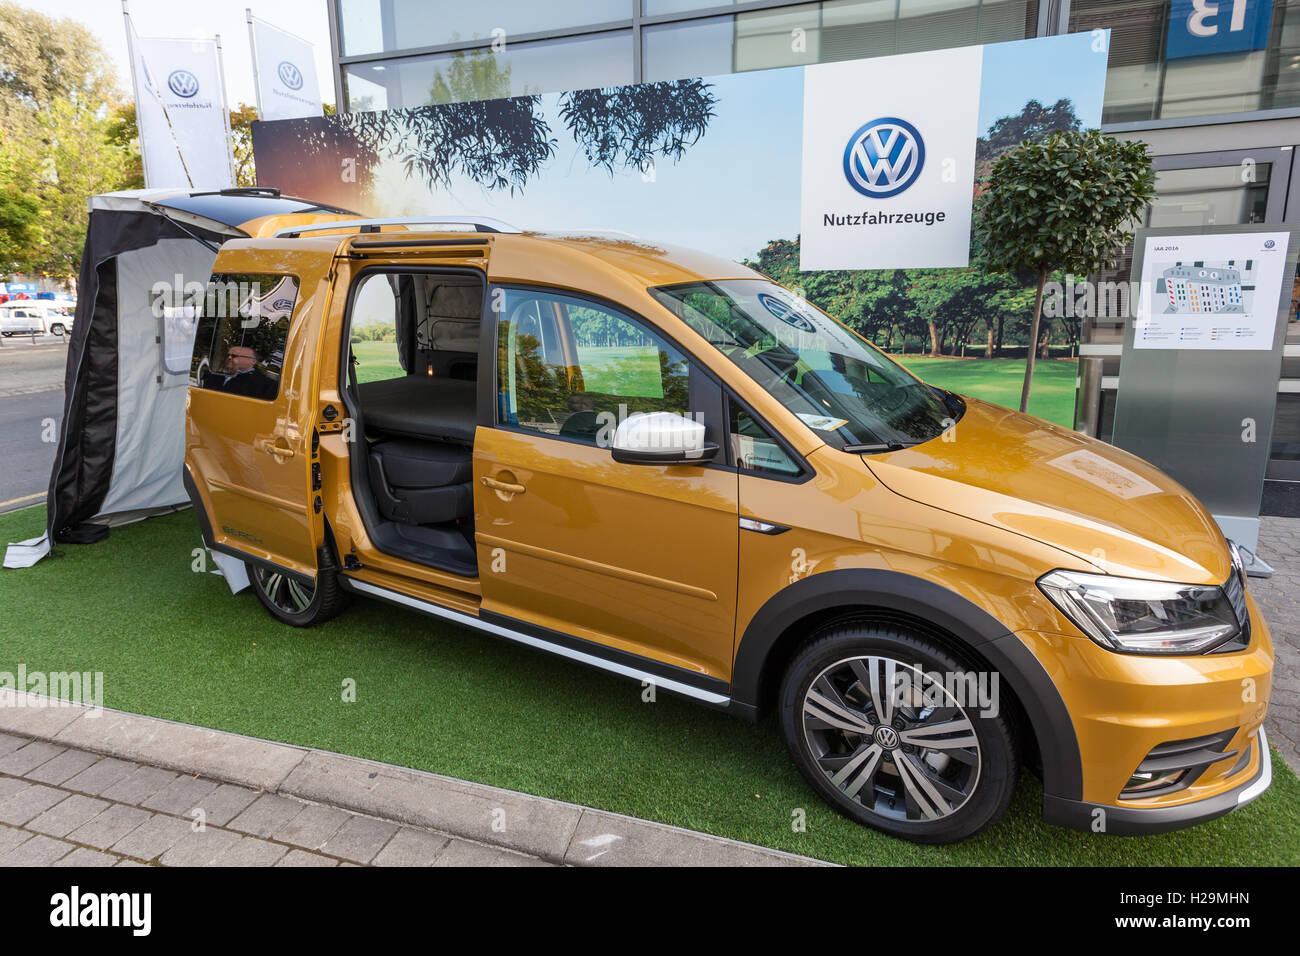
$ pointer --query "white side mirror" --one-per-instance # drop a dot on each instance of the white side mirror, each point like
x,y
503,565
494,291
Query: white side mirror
x,y
661,438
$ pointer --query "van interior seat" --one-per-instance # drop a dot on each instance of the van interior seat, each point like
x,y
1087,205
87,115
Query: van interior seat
x,y
421,482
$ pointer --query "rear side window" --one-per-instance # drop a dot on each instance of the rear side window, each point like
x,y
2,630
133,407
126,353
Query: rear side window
x,y
241,335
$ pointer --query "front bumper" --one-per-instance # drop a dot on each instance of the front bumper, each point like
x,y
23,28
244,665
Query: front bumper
x,y
1126,709
1136,821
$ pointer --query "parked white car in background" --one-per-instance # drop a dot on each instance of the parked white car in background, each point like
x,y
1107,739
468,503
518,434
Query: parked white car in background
x,y
34,317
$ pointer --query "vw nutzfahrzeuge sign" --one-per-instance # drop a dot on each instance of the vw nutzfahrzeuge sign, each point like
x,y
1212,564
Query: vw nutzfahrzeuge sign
x,y
890,188
884,157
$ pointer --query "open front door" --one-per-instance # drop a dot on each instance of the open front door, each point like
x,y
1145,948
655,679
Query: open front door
x,y
250,410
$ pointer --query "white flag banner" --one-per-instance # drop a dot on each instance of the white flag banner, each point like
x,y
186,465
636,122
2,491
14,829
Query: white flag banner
x,y
285,67
181,113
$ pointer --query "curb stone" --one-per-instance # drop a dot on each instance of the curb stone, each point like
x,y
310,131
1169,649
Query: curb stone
x,y
552,830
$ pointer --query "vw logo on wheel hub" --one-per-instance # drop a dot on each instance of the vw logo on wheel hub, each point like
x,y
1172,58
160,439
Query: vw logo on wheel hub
x,y
886,736
884,157
183,83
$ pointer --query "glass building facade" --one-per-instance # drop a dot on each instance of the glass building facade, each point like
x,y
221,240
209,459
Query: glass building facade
x,y
1213,88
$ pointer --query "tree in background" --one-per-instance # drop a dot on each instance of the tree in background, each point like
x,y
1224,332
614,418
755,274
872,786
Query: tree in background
x,y
1033,122
478,131
242,118
60,138
629,126
873,303
471,75
1069,202
78,161
43,60
124,135
19,213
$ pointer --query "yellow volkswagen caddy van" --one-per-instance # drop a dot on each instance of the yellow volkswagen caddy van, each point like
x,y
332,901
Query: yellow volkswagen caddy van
x,y
661,464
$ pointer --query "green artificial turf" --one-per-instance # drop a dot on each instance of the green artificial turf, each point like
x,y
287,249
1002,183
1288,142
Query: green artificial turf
x,y
999,381
176,644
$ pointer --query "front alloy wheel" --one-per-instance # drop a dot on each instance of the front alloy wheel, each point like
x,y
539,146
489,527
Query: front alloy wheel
x,y
884,726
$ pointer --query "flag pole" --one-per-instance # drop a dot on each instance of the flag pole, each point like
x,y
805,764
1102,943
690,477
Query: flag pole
x,y
252,46
135,93
225,113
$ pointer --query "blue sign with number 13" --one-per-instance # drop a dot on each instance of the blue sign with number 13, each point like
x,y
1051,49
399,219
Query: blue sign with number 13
x,y
1203,27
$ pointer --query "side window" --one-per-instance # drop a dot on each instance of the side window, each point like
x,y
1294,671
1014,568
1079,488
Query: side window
x,y
572,368
374,328
240,339
754,448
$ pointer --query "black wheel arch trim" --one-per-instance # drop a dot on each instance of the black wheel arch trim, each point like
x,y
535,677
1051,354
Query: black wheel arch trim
x,y
941,608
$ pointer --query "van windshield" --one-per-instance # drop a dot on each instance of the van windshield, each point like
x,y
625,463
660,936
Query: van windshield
x,y
837,383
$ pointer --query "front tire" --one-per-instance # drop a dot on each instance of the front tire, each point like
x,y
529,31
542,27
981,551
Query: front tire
x,y
57,329
889,728
294,602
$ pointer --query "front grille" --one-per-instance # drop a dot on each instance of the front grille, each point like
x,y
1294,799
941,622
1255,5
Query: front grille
x,y
1177,764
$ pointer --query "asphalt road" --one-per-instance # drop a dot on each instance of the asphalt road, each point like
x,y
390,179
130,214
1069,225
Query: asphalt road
x,y
31,392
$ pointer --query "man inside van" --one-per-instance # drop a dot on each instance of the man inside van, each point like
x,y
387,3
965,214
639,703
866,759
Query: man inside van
x,y
241,376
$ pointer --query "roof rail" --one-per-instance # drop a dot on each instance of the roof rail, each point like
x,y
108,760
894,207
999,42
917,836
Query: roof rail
x,y
480,224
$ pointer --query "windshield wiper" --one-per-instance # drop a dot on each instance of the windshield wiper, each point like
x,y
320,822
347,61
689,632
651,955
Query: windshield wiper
x,y
869,447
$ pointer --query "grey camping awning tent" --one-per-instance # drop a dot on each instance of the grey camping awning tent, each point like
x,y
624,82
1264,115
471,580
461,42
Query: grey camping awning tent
x,y
121,443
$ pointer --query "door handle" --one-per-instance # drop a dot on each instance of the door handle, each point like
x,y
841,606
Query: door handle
x,y
277,448
504,487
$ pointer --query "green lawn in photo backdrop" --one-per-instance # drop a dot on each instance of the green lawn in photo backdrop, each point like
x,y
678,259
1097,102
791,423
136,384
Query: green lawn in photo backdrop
x,y
634,371
1000,380
176,644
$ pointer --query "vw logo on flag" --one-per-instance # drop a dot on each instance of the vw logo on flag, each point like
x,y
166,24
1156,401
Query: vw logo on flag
x,y
884,157
290,75
183,83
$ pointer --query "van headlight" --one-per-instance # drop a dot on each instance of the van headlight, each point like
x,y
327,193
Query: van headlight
x,y
1133,616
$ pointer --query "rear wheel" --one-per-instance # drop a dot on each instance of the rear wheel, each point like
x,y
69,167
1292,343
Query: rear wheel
x,y
891,730
297,602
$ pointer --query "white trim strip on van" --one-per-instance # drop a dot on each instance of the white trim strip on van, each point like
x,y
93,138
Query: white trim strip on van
x,y
1265,778
686,690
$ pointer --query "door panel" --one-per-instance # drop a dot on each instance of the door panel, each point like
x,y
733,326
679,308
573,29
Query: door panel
x,y
641,558
250,409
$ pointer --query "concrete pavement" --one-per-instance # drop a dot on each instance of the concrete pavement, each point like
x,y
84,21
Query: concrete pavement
x,y
80,786
1279,599
31,396
71,807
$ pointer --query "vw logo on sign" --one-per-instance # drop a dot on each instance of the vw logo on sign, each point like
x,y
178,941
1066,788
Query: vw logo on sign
x,y
290,75
183,83
884,157
1269,243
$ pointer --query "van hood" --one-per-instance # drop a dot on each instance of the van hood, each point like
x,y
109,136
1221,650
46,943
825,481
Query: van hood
x,y
1083,496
